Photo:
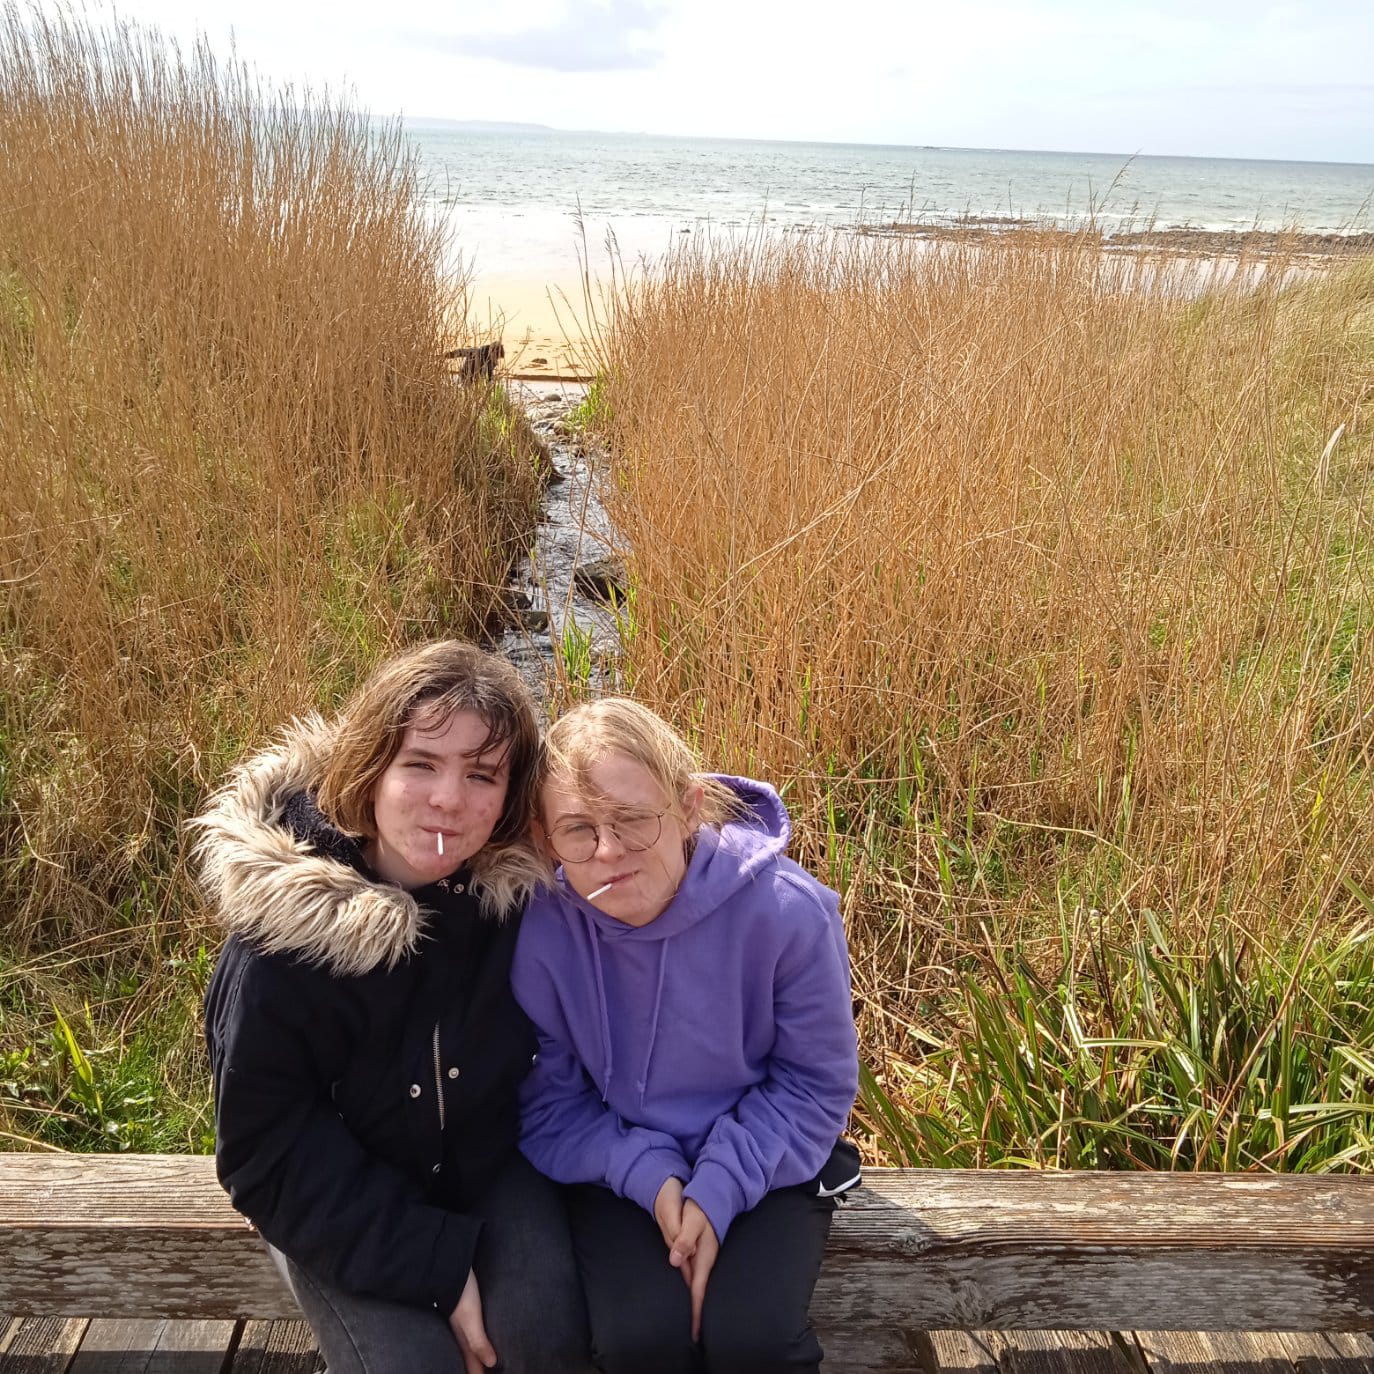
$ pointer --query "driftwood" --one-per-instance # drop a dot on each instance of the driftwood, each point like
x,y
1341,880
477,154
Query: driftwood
x,y
479,362
914,1250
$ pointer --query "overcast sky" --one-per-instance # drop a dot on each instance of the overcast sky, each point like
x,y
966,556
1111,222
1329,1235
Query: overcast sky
x,y
1199,77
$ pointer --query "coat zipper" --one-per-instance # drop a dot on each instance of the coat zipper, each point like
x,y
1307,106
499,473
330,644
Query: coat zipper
x,y
438,1078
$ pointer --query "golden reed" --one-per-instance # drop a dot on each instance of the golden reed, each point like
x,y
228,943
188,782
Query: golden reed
x,y
236,470
1028,566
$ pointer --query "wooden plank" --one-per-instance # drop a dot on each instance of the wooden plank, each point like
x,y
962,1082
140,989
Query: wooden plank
x,y
856,1348
956,1352
1054,1352
40,1345
180,1274
1353,1344
195,1346
1092,1251
130,1236
153,1236
1335,1352
1028,1352
1229,1352
155,1347
276,1348
117,1347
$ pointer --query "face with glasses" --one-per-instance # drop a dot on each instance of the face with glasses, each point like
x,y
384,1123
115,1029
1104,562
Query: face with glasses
x,y
625,830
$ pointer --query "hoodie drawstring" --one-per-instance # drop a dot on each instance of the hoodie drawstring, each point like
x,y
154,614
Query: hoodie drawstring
x,y
653,1022
606,1053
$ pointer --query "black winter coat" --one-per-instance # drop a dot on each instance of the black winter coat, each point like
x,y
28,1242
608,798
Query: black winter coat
x,y
365,1046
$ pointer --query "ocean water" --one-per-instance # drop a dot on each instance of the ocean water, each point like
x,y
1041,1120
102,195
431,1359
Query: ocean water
x,y
530,202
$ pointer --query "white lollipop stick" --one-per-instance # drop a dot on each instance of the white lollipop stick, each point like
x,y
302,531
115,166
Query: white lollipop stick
x,y
605,887
440,838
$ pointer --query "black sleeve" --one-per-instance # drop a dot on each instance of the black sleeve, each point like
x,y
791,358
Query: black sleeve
x,y
279,1035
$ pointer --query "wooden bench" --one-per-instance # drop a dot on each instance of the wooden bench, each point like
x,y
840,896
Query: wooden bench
x,y
916,1258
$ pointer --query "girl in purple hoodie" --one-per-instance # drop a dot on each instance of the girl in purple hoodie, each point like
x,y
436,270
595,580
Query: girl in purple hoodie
x,y
697,1057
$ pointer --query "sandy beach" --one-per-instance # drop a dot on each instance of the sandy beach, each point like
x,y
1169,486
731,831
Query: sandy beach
x,y
530,273
543,323
527,216
547,315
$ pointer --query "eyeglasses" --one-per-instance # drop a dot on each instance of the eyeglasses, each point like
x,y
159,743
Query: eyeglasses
x,y
577,841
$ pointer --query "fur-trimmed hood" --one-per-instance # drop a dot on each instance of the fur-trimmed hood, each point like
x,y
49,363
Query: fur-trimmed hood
x,y
282,893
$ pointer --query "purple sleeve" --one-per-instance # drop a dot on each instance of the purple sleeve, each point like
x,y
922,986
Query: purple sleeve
x,y
566,1131
781,1131
570,1134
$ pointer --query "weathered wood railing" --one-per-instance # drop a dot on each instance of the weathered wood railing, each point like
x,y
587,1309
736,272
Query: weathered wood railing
x,y
915,1250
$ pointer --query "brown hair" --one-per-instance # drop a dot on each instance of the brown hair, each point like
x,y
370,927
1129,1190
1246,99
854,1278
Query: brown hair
x,y
617,725
423,687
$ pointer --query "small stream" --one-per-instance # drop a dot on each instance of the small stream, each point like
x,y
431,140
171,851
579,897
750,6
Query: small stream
x,y
562,594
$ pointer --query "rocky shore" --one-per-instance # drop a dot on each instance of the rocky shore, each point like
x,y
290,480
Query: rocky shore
x,y
1182,240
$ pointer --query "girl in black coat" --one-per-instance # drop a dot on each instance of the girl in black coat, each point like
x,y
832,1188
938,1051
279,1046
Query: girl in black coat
x,y
365,1046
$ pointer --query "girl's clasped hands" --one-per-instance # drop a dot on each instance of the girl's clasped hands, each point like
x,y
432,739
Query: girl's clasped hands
x,y
691,1241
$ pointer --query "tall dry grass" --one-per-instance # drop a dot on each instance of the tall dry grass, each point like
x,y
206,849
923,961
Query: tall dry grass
x,y
235,468
1035,572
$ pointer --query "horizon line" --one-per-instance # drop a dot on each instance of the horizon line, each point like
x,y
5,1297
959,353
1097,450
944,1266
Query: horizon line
x,y
520,126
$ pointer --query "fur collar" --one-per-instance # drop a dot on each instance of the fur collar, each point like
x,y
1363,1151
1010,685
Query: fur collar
x,y
281,893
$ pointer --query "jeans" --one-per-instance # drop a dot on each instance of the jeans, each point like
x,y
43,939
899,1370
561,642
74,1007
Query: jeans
x,y
532,1304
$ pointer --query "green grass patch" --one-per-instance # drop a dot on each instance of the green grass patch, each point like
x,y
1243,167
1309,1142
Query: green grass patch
x,y
123,1069
1126,1052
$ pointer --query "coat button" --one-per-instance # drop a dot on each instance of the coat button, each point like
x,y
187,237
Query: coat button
x,y
436,1168
453,1072
414,1090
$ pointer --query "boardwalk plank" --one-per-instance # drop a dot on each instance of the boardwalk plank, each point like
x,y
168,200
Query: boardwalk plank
x,y
155,1347
1320,1352
1024,1352
865,1348
40,1345
118,1346
1220,1352
956,1352
1055,1352
276,1348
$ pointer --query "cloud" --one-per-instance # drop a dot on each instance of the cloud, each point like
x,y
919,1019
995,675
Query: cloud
x,y
590,37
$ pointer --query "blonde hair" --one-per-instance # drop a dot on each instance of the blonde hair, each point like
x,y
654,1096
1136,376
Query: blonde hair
x,y
617,725
424,687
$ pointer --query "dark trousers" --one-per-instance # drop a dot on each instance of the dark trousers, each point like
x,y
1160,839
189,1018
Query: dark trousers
x,y
754,1320
531,1300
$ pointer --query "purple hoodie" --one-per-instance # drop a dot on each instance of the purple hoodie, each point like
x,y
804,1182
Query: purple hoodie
x,y
715,1044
